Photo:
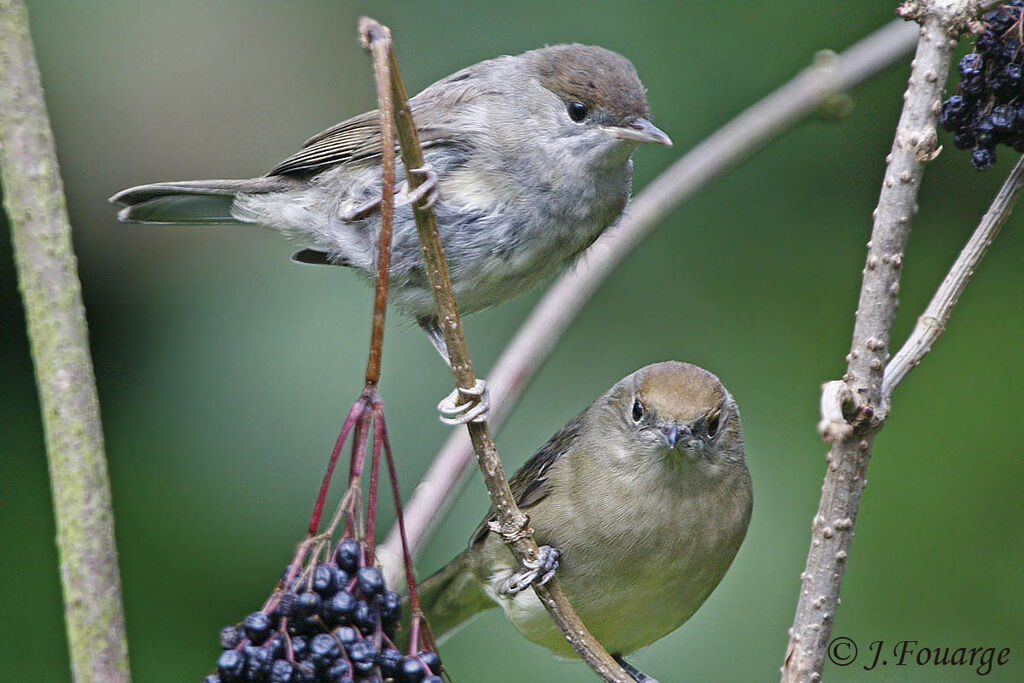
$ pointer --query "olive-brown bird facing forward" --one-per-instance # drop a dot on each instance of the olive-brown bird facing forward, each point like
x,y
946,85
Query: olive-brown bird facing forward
x,y
530,156
641,501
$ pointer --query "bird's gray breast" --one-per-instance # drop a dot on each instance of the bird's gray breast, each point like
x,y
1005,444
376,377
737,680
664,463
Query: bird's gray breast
x,y
506,235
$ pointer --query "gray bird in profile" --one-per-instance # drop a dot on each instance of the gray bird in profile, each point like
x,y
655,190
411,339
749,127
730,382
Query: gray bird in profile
x,y
640,503
528,158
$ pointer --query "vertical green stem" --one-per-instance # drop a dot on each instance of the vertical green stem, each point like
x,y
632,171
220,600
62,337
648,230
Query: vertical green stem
x,y
48,278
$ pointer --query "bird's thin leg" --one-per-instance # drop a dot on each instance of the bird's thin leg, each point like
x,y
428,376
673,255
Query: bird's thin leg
x,y
477,401
634,673
539,571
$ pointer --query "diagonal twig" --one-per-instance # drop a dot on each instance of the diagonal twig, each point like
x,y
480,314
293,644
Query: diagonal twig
x,y
933,321
514,523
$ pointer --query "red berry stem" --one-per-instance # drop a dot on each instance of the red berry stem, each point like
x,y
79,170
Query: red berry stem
x,y
371,508
357,410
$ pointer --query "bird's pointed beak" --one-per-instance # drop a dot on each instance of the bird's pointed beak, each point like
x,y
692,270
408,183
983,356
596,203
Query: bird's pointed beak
x,y
671,433
641,130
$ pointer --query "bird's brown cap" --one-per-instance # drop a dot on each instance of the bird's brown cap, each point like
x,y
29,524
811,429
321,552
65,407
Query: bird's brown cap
x,y
601,79
679,391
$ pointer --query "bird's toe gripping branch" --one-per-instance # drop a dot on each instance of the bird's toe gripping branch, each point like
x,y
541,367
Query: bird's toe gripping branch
x,y
538,571
426,192
477,404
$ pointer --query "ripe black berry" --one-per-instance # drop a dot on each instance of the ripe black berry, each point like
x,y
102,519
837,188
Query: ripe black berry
x,y
346,635
257,627
307,605
322,579
431,660
970,66
258,660
411,670
286,604
390,608
230,636
1003,117
326,626
954,112
985,110
230,665
340,608
299,646
339,579
370,581
338,670
347,555
324,648
282,672
363,655
366,617
982,158
389,661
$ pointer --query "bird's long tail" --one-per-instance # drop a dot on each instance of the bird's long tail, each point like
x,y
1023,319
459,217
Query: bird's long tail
x,y
449,599
191,201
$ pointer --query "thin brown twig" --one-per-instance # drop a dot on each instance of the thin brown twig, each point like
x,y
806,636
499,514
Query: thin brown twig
x,y
361,412
862,402
382,76
933,321
513,522
58,334
536,338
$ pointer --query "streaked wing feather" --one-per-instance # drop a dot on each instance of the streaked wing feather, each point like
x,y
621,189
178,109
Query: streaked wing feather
x,y
358,138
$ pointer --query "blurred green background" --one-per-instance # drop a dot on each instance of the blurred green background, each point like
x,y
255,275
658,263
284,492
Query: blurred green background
x,y
224,370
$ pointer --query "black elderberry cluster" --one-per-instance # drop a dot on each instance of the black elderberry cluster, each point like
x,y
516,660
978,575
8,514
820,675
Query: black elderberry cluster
x,y
336,626
988,106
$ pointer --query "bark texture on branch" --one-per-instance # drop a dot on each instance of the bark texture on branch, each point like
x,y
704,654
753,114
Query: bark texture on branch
x,y
48,279
515,529
864,405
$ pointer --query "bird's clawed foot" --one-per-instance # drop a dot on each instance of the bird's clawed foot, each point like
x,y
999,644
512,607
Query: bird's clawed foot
x,y
538,571
477,404
425,192
634,673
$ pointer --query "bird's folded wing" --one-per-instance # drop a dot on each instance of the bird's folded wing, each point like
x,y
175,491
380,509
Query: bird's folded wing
x,y
435,111
352,140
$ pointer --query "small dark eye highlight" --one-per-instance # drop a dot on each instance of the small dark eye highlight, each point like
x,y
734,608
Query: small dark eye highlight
x,y
638,410
712,425
578,111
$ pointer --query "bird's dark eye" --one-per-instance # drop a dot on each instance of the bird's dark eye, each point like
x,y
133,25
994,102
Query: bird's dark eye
x,y
638,410
712,425
578,111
